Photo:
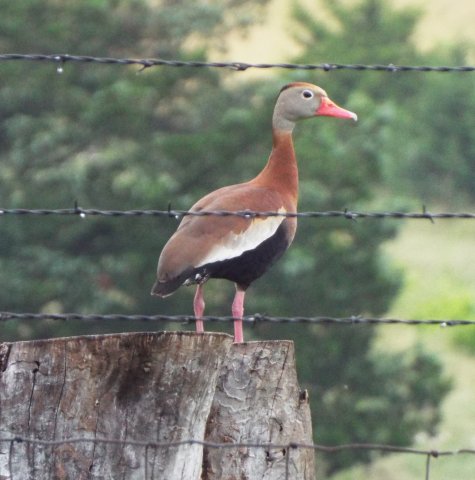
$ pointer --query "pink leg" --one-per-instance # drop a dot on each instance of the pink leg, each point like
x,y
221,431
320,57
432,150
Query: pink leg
x,y
238,311
199,308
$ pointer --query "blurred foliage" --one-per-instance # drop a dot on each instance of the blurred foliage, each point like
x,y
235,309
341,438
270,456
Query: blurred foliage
x,y
436,162
453,301
394,400
466,338
120,139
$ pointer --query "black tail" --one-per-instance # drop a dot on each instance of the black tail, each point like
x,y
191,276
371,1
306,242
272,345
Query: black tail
x,y
163,289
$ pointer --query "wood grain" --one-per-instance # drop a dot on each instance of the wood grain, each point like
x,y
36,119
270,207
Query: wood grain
x,y
151,387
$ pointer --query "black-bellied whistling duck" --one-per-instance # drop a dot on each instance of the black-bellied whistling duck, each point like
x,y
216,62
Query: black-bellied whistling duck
x,y
237,248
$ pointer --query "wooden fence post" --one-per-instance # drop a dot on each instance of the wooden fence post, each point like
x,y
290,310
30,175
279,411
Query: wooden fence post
x,y
258,397
150,387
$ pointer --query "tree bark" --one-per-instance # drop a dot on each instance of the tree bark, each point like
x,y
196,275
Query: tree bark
x,y
150,387
258,397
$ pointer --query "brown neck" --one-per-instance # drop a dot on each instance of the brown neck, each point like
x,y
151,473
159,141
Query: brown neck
x,y
281,171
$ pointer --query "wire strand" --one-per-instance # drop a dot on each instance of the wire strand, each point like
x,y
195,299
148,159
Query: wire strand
x,y
146,445
177,214
62,58
251,319
231,445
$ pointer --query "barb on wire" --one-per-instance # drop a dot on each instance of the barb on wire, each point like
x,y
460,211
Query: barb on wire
x,y
252,319
144,63
170,213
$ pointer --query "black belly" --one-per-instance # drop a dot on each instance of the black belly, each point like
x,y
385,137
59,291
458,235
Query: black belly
x,y
249,266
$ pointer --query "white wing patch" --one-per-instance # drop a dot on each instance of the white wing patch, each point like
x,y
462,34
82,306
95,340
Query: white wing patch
x,y
235,244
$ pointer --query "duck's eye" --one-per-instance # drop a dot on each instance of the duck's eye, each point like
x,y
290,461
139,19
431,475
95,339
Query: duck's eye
x,y
307,94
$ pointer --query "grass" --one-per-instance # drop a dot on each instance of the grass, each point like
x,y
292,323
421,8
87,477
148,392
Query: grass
x,y
437,261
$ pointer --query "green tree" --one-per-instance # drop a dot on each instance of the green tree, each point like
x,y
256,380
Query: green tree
x,y
120,139
436,162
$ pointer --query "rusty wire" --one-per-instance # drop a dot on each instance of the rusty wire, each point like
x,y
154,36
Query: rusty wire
x,y
146,445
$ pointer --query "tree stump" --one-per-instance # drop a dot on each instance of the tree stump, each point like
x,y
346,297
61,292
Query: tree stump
x,y
101,407
258,397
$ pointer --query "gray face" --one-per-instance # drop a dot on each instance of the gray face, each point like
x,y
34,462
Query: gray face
x,y
296,102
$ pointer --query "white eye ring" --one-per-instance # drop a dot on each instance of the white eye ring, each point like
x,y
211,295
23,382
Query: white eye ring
x,y
307,94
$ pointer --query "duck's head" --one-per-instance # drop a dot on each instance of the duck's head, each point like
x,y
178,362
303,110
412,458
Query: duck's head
x,y
301,100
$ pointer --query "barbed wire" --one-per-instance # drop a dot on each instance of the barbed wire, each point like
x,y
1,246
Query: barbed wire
x,y
345,213
146,445
251,319
62,58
